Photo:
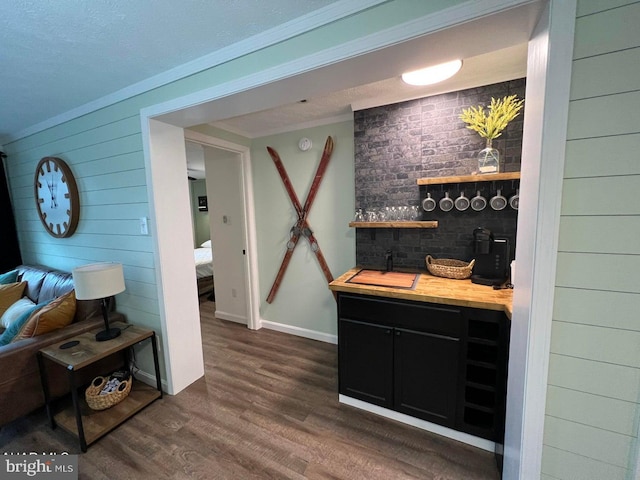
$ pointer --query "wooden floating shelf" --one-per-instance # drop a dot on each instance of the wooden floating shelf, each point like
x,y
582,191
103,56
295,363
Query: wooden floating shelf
x,y
424,224
490,177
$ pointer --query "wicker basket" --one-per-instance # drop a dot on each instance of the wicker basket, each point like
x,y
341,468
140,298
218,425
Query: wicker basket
x,y
449,268
102,402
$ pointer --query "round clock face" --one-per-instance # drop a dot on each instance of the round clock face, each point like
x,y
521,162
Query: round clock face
x,y
56,197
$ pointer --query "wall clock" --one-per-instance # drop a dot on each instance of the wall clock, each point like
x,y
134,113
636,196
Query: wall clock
x,y
57,197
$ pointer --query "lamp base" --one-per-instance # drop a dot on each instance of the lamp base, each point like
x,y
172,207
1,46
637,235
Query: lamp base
x,y
108,334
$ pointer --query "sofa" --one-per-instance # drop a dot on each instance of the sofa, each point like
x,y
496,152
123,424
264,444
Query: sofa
x,y
20,387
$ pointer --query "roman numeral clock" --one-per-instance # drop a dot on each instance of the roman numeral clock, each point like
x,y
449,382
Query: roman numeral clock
x,y
57,197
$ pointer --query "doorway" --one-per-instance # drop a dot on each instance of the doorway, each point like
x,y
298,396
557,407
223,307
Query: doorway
x,y
549,67
227,210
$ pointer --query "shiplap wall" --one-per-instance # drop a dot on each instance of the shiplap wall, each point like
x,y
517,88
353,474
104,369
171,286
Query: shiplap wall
x,y
592,411
104,150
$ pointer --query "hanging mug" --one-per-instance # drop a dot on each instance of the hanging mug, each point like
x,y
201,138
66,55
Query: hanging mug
x,y
428,204
462,202
478,202
446,204
498,202
514,201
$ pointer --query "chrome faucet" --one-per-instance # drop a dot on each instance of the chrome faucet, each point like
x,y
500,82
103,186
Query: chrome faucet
x,y
389,258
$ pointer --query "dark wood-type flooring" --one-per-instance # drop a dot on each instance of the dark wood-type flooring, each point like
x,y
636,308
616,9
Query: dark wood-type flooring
x,y
267,408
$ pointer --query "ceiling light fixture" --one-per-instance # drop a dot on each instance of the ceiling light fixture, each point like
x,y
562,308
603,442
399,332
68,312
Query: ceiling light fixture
x,y
434,74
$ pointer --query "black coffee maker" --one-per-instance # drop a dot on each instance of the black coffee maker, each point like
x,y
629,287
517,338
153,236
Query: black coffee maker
x,y
492,258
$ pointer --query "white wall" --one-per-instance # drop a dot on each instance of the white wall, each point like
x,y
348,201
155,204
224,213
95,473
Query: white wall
x,y
224,184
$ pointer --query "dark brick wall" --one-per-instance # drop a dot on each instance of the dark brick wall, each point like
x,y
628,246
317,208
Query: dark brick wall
x,y
397,144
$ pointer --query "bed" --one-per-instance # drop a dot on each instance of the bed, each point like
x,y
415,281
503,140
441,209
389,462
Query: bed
x,y
203,257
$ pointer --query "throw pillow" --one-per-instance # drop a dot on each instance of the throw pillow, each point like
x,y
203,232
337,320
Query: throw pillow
x,y
10,294
10,333
57,314
14,311
9,277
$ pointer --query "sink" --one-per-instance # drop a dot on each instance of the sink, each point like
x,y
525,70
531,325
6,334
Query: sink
x,y
381,278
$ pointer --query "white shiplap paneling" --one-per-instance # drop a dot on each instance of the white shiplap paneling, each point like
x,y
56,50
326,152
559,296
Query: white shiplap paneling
x,y
594,370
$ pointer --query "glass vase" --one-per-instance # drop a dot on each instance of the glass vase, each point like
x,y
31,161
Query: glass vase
x,y
488,159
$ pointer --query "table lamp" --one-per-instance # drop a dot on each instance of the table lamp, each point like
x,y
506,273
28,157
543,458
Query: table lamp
x,y
100,281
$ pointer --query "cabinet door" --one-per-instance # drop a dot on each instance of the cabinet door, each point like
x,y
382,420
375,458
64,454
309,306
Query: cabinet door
x,y
366,362
426,375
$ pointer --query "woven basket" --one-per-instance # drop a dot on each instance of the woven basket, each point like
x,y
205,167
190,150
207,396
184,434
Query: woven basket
x,y
449,268
102,402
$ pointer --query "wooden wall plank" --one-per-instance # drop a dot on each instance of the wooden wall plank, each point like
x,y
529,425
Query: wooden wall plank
x,y
606,379
564,465
601,196
594,410
604,116
619,347
603,156
592,76
588,441
589,7
117,180
114,196
129,144
609,31
140,304
66,141
598,272
617,234
599,308
142,289
116,212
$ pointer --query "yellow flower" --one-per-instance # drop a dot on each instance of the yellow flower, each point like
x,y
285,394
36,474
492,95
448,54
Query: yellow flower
x,y
491,125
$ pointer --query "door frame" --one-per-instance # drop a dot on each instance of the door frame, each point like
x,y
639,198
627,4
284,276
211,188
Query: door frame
x,y
539,214
252,300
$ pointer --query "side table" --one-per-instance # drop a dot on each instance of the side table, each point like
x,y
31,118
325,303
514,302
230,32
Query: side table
x,y
77,418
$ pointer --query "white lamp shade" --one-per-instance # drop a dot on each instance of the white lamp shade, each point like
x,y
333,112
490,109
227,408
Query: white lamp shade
x,y
98,280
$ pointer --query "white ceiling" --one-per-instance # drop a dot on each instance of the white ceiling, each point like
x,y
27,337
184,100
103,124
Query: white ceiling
x,y
485,69
58,55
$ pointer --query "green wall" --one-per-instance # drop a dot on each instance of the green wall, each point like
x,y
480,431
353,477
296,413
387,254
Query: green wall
x,y
304,299
104,150
591,422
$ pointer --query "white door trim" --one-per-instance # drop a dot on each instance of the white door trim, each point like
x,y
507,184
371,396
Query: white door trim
x,y
543,153
251,265
170,212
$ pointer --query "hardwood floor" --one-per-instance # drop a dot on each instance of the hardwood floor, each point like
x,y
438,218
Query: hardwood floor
x,y
267,408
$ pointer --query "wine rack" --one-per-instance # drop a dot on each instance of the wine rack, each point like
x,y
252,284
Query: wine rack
x,y
484,386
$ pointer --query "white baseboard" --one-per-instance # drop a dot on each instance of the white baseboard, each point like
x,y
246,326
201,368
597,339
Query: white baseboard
x,y
150,380
231,317
300,332
421,424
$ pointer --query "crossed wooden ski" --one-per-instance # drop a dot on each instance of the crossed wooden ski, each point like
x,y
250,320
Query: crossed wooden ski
x,y
301,227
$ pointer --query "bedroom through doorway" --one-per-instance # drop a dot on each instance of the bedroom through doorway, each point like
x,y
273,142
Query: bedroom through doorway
x,y
219,227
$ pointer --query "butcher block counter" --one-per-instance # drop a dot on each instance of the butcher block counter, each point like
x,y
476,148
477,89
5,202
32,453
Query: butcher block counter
x,y
429,288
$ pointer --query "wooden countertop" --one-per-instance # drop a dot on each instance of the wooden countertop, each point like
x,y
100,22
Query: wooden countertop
x,y
433,289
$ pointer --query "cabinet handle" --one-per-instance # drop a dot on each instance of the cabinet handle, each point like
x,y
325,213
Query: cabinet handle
x,y
387,331
397,333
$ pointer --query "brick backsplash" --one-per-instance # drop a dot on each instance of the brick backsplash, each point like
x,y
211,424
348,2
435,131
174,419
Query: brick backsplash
x,y
397,144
